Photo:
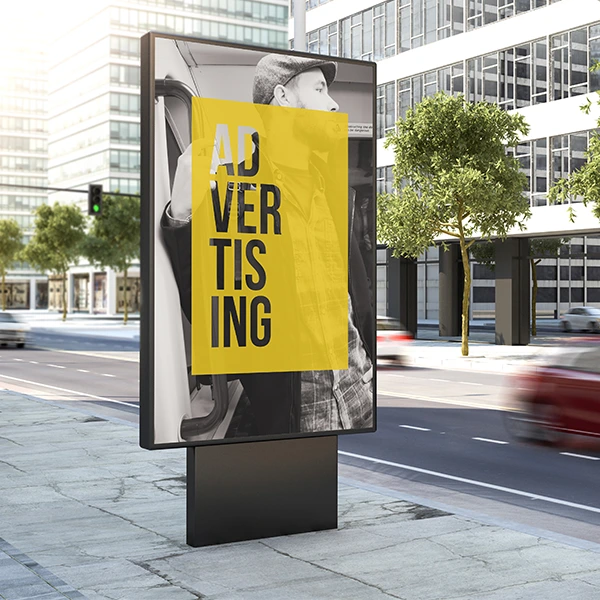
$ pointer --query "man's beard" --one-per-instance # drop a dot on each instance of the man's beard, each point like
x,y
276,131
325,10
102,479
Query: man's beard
x,y
310,131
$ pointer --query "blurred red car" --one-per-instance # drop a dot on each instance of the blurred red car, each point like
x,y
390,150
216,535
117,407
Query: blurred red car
x,y
391,339
558,398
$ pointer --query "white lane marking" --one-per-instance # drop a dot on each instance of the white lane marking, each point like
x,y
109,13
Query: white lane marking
x,y
93,354
468,383
482,484
402,376
53,387
82,371
488,440
34,362
56,366
415,428
443,401
442,380
107,375
580,456
19,359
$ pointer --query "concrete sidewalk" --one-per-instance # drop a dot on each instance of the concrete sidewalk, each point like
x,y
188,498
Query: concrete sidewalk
x,y
81,324
86,513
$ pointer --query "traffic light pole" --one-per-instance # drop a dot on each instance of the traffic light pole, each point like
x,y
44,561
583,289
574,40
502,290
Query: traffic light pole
x,y
57,189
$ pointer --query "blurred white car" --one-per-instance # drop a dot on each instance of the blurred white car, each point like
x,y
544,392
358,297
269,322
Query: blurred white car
x,y
12,331
392,339
581,318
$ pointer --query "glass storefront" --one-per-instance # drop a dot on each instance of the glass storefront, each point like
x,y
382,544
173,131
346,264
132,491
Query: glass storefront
x,y
41,295
17,294
133,294
81,293
100,294
55,287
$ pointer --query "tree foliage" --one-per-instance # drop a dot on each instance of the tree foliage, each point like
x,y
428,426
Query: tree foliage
x,y
583,183
114,237
56,242
11,244
454,178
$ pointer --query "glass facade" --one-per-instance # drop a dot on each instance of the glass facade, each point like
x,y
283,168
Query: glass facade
x,y
531,73
538,71
94,103
95,79
23,148
410,24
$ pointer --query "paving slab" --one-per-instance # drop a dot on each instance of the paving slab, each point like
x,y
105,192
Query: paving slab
x,y
87,514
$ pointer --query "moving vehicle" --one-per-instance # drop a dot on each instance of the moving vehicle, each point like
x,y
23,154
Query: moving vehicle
x,y
558,398
585,318
12,331
392,339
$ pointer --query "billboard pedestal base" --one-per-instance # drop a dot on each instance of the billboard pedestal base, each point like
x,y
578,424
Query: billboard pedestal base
x,y
253,490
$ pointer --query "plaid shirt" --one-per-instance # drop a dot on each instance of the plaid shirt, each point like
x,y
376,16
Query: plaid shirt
x,y
334,400
330,400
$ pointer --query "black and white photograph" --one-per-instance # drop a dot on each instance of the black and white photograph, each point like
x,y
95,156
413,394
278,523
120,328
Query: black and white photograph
x,y
180,407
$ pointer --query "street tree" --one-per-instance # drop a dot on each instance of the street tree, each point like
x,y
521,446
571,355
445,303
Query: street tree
x,y
11,244
56,242
583,183
114,237
539,248
454,179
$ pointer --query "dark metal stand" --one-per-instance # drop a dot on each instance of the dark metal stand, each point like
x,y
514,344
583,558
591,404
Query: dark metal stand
x,y
512,292
402,286
245,491
451,286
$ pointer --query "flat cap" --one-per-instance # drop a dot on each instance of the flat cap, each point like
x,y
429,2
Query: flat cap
x,y
278,69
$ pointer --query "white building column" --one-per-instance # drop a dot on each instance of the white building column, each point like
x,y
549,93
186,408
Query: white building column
x,y
32,292
300,25
91,283
111,292
70,292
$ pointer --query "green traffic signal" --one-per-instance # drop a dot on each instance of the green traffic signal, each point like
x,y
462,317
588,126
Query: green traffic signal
x,y
94,199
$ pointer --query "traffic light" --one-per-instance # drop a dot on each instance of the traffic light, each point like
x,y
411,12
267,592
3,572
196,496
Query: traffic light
x,y
94,199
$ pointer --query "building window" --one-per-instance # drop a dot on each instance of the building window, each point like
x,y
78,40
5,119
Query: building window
x,y
124,75
386,113
385,180
125,47
514,77
125,160
371,34
124,132
324,40
568,154
484,294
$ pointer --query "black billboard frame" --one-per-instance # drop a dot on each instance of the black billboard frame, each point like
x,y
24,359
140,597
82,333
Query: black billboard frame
x,y
270,486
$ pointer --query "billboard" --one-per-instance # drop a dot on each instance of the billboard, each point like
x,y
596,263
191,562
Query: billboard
x,y
258,244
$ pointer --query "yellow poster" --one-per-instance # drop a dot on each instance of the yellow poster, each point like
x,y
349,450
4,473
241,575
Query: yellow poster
x,y
269,238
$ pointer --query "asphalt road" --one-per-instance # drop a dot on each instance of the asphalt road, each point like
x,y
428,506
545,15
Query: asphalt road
x,y
99,375
446,429
443,429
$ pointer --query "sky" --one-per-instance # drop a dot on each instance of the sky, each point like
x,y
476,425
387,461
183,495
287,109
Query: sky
x,y
24,21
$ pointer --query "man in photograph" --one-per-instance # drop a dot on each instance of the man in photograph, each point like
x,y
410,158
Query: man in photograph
x,y
307,401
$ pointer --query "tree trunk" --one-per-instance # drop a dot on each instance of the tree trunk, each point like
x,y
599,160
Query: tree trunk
x,y
466,296
3,289
64,295
125,296
534,297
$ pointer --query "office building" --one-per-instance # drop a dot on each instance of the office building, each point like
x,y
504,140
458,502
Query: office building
x,y
94,106
527,55
23,152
